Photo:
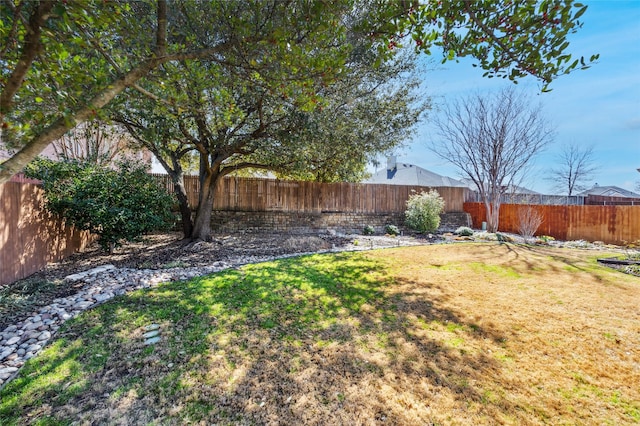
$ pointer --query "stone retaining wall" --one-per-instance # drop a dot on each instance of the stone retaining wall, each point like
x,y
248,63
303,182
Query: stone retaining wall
x,y
225,221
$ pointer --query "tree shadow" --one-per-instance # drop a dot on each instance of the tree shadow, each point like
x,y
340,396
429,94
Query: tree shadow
x,y
308,340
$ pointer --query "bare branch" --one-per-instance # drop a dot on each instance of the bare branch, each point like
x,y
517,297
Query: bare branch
x,y
492,140
575,167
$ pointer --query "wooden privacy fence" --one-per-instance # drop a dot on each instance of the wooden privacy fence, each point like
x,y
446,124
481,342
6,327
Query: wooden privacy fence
x,y
260,194
610,224
29,236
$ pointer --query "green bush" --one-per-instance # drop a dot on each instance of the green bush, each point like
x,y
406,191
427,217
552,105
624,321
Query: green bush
x,y
368,230
391,230
116,205
464,231
423,211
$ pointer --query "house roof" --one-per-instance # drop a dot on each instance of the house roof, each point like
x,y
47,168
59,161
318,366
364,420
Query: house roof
x,y
410,174
609,191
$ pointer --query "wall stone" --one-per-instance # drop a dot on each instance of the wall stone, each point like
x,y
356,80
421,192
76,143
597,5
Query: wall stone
x,y
225,221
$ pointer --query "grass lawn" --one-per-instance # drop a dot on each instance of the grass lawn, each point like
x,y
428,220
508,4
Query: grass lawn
x,y
443,334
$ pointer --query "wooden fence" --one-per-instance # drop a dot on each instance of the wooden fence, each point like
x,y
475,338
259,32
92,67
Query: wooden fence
x,y
29,236
610,224
259,194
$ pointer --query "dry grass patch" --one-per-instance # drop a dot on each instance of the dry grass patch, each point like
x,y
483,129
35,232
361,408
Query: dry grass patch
x,y
453,334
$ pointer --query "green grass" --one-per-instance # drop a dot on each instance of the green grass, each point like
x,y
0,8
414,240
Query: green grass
x,y
208,316
489,270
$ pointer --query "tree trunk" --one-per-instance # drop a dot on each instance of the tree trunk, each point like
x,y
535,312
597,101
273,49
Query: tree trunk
x,y
183,203
202,224
493,215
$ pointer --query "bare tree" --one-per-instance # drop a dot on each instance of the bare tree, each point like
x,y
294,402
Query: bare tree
x,y
492,140
95,142
529,220
575,167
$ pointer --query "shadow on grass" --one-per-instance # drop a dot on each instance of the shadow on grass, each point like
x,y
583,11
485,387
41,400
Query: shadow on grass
x,y
309,340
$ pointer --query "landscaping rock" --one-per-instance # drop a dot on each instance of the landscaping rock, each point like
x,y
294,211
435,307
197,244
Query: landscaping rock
x,y
150,334
12,341
152,341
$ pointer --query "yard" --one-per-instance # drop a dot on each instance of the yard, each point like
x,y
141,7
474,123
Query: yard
x,y
441,334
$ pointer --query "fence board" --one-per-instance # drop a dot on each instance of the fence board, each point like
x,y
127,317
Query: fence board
x,y
260,194
610,224
29,236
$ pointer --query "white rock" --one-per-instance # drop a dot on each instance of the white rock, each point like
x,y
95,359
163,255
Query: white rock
x,y
101,297
45,335
89,273
152,340
12,341
150,334
82,305
32,325
34,348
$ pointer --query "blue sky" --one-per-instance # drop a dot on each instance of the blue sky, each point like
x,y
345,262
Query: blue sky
x,y
599,106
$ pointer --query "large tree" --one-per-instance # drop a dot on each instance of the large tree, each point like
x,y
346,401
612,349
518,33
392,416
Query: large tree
x,y
47,47
299,127
575,166
491,139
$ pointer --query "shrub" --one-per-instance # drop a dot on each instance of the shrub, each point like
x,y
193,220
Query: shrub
x,y
116,205
503,238
544,239
423,211
368,230
529,220
391,230
464,231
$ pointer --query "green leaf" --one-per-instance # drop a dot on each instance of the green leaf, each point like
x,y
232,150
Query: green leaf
x,y
580,12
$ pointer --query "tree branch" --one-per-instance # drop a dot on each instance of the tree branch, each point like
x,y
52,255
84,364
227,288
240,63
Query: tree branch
x,y
30,50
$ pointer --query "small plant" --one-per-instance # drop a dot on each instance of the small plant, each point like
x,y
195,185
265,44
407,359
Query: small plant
x,y
423,211
633,256
546,238
175,264
632,270
368,230
464,231
356,242
392,230
529,220
503,238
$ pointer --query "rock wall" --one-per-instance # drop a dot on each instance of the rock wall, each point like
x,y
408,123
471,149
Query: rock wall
x,y
225,221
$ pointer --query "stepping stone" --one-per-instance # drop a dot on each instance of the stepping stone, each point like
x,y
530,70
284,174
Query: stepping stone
x,y
152,341
150,334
